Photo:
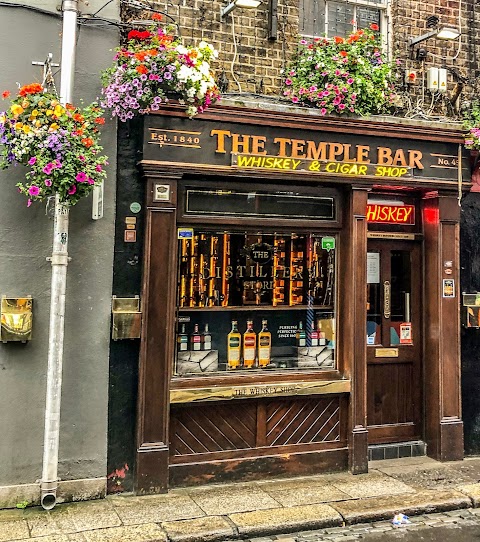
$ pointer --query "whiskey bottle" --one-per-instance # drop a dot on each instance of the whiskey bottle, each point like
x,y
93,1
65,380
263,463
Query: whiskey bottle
x,y
206,339
249,346
264,345
195,339
182,340
233,347
300,336
313,336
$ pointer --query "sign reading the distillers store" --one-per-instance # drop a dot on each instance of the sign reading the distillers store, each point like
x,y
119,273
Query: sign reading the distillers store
x,y
330,154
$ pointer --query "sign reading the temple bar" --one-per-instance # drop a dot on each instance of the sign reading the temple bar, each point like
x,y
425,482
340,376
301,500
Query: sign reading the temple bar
x,y
390,214
174,140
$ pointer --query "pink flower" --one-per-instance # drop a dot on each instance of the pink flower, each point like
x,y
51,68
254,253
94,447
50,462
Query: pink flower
x,y
313,88
32,160
72,190
81,177
29,202
303,42
48,168
323,111
48,182
341,106
34,190
98,167
82,158
90,180
350,81
288,81
294,99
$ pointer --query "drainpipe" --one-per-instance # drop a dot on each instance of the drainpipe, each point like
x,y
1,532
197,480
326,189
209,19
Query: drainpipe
x,y
59,259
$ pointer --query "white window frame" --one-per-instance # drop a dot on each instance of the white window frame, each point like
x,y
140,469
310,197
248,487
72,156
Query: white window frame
x,y
385,19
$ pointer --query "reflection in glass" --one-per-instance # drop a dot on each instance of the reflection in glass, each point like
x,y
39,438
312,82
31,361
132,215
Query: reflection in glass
x,y
400,293
265,301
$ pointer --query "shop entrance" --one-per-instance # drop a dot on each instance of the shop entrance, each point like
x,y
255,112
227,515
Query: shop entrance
x,y
394,341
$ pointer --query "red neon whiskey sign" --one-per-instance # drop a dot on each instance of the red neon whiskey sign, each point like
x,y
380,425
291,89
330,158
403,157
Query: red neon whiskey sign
x,y
390,214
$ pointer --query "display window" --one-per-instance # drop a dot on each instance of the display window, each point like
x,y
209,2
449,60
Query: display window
x,y
254,301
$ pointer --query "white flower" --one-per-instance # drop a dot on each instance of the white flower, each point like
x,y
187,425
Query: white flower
x,y
182,50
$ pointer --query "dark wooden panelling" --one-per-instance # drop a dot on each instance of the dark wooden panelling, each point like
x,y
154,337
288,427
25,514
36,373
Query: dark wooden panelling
x,y
295,422
390,387
225,427
213,428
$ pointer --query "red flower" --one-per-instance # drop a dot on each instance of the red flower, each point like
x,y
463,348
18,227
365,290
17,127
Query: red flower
x,y
141,69
100,120
156,17
338,40
34,88
88,142
374,27
5,94
343,53
135,34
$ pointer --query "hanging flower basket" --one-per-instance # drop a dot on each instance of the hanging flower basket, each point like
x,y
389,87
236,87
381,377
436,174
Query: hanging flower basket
x,y
153,66
59,145
342,75
471,123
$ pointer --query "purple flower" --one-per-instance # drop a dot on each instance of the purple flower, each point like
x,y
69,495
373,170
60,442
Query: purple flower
x,y
34,190
81,177
32,160
167,75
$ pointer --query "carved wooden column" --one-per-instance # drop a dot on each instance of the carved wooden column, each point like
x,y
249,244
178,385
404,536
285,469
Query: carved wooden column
x,y
444,427
353,319
157,343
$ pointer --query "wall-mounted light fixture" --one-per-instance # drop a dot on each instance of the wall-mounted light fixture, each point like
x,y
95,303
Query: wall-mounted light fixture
x,y
441,33
247,4
16,319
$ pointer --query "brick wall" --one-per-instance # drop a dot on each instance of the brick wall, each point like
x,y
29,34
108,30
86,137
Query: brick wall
x,y
253,63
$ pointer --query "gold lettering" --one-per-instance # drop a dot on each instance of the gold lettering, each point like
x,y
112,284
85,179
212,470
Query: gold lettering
x,y
316,152
221,134
336,149
239,141
282,142
384,156
399,158
362,154
414,159
298,148
258,145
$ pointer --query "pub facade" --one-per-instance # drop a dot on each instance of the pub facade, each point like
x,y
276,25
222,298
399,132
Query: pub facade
x,y
299,294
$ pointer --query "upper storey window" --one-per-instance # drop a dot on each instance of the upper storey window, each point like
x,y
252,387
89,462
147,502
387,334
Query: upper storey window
x,y
330,18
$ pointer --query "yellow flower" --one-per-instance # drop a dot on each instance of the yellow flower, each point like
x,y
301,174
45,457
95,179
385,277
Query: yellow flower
x,y
54,126
49,113
16,109
18,125
54,103
59,110
35,113
25,104
2,119
26,128
38,123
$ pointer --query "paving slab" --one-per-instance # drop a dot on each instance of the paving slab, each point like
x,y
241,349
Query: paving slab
x,y
199,530
379,508
303,494
155,509
281,520
371,485
78,517
13,530
149,532
472,491
232,499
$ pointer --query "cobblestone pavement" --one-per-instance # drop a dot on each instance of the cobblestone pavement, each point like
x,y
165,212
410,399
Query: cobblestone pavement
x,y
384,530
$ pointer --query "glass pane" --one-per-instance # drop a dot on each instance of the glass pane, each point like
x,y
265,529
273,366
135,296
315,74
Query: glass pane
x,y
255,301
312,18
279,204
374,307
400,325
340,16
366,16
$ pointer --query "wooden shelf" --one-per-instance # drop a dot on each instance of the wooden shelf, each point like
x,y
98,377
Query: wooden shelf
x,y
328,308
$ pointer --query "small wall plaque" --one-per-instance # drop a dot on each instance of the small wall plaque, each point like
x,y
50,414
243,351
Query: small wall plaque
x,y
161,192
386,353
126,318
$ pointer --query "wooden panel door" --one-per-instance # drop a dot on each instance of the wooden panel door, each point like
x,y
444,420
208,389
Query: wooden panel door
x,y
394,374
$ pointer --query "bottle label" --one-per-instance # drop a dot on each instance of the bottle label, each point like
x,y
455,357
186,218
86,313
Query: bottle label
x,y
302,342
183,344
249,341
249,354
207,345
196,340
234,342
264,341
233,356
264,354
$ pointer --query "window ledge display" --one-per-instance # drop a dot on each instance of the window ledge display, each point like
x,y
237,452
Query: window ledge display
x,y
254,302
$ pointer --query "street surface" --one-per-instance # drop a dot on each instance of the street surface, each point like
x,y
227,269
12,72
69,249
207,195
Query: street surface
x,y
455,526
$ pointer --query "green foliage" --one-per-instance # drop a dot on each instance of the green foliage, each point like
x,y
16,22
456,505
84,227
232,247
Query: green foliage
x,y
471,123
22,505
342,75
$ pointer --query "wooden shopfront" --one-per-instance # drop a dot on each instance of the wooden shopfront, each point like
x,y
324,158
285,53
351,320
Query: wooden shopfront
x,y
300,294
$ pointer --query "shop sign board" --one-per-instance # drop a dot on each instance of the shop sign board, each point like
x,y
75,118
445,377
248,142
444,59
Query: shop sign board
x,y
390,214
261,147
